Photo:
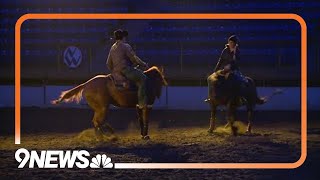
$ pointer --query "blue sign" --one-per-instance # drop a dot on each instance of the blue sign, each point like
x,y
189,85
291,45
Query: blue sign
x,y
72,57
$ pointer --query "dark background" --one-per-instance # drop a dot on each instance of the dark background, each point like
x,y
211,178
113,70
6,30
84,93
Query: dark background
x,y
187,49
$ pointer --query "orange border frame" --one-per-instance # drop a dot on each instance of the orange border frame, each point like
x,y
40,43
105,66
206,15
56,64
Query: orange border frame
x,y
298,18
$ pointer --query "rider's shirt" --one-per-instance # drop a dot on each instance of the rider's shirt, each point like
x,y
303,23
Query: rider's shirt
x,y
121,56
228,57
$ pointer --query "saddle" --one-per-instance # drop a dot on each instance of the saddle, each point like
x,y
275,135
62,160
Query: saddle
x,y
226,80
122,83
235,76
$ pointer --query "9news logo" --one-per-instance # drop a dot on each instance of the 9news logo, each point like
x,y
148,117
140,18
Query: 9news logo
x,y
61,159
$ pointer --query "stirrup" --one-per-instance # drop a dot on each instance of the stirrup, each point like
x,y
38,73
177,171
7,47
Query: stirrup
x,y
243,100
139,107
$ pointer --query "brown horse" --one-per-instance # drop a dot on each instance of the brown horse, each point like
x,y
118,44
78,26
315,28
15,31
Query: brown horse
x,y
233,95
101,91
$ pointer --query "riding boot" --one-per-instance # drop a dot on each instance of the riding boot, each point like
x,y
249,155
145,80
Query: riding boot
x,y
212,125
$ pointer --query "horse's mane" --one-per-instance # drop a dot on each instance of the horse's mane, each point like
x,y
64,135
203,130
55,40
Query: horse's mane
x,y
155,81
156,69
153,68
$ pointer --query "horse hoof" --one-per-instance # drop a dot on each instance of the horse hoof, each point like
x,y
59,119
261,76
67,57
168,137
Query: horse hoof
x,y
234,131
99,139
227,125
248,132
210,131
113,138
145,137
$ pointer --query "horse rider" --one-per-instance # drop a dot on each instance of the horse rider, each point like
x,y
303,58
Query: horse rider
x,y
227,64
122,59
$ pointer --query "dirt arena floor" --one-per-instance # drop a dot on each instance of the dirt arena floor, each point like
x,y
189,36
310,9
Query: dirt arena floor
x,y
176,136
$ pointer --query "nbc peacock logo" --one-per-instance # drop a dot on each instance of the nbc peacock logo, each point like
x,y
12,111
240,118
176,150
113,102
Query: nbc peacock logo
x,y
101,161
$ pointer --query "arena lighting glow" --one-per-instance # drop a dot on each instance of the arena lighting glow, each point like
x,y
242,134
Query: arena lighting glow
x,y
186,17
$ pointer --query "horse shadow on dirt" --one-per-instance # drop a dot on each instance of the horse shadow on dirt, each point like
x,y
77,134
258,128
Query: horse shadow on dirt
x,y
156,153
147,150
255,147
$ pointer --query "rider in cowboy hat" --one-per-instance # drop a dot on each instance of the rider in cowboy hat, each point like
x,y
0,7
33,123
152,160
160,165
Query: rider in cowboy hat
x,y
122,59
228,63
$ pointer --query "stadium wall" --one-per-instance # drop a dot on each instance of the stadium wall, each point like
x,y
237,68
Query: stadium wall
x,y
173,97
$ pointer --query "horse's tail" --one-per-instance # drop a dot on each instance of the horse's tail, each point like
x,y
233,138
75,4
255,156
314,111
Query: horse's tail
x,y
72,95
263,100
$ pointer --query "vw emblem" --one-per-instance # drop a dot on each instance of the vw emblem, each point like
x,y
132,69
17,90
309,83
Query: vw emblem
x,y
72,57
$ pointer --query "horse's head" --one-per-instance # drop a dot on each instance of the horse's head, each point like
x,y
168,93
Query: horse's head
x,y
156,81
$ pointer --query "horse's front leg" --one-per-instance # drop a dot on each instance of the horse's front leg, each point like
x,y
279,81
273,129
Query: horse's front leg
x,y
212,124
231,113
140,119
250,116
145,119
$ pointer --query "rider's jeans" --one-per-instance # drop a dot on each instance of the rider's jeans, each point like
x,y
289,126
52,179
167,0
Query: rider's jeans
x,y
241,78
137,76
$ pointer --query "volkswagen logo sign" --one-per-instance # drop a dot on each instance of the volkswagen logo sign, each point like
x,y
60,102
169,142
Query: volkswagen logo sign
x,y
72,57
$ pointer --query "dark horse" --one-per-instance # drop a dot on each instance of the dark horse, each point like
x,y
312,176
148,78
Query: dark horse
x,y
101,91
233,94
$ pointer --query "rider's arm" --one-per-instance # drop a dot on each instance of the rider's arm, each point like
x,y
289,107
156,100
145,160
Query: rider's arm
x,y
221,60
109,62
237,54
133,57
235,59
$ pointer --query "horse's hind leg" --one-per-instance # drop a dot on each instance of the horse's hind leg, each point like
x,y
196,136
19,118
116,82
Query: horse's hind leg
x,y
234,116
250,117
101,121
231,108
212,117
97,128
100,124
